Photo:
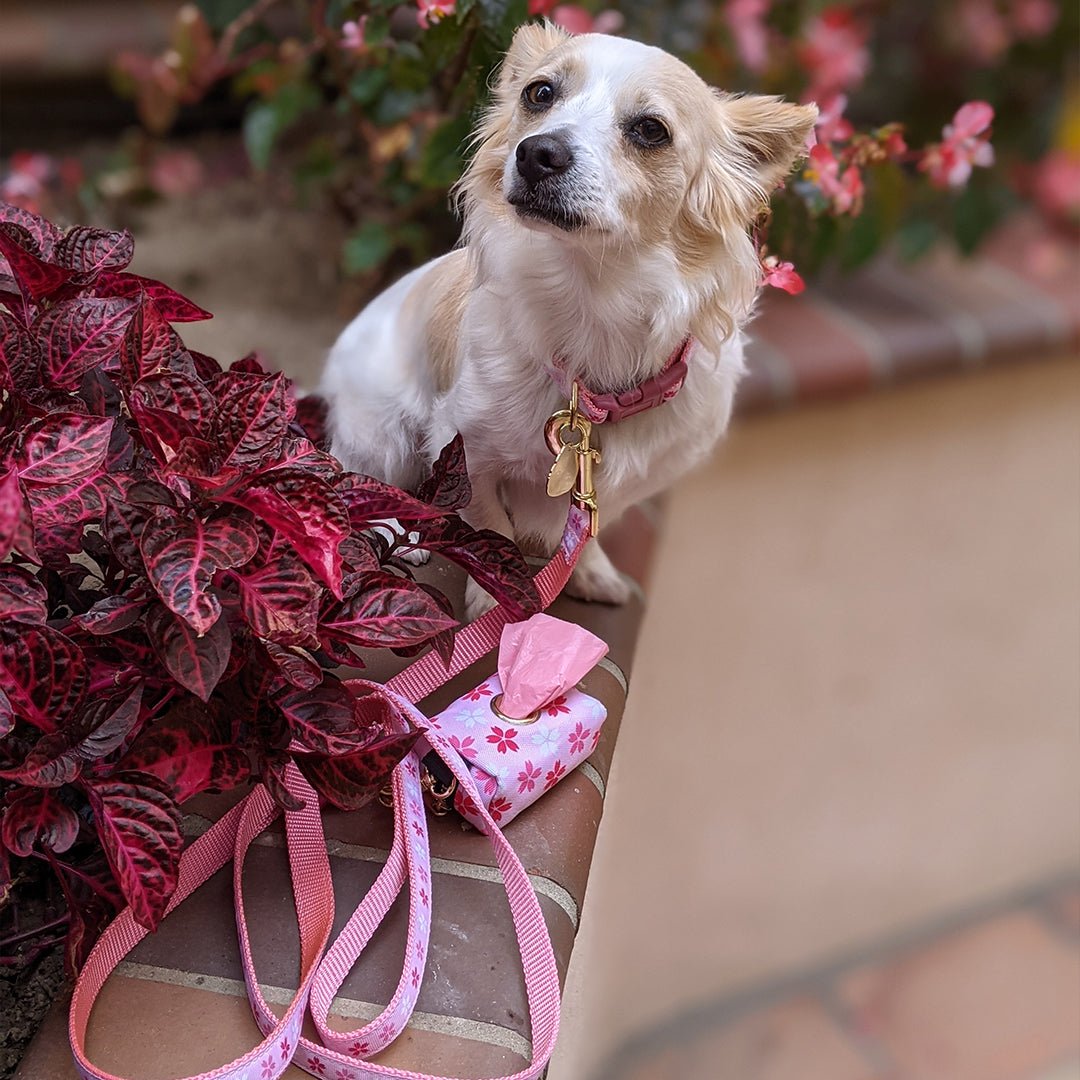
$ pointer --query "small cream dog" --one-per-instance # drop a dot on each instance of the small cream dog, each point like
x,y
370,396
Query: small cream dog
x,y
607,213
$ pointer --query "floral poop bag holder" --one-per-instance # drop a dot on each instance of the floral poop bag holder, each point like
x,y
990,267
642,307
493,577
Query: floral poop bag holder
x,y
520,731
528,727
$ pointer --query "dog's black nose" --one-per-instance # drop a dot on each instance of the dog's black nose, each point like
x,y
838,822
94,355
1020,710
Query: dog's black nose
x,y
540,156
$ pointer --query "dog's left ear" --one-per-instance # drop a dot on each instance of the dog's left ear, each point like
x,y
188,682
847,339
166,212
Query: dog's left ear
x,y
771,132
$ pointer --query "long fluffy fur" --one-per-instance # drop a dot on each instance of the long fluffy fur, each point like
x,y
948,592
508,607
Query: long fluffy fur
x,y
465,342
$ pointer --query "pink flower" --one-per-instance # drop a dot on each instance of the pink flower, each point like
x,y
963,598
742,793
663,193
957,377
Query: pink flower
x,y
596,738
499,807
424,897
267,1067
965,144
557,706
480,692
359,1048
463,746
781,275
286,1049
843,189
432,11
541,7
1057,185
352,34
527,777
175,173
503,740
831,125
26,180
833,52
415,976
746,20
578,21
315,1066
578,737
554,775
344,1074
1034,18
982,30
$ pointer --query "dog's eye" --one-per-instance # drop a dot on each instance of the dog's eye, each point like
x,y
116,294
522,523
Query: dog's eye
x,y
539,95
649,132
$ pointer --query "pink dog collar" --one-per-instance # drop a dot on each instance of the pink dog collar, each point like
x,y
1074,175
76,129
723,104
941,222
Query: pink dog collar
x,y
609,408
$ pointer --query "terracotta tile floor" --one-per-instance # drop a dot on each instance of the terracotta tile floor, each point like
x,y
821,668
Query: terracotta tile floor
x,y
843,825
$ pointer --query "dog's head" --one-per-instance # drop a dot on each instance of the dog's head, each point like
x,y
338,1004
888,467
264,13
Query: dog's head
x,y
597,138
598,134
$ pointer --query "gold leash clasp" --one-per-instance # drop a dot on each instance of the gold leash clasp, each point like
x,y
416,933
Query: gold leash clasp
x,y
569,437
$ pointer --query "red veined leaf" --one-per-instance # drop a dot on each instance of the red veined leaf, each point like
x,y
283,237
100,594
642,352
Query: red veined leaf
x,y
150,344
272,775
92,899
339,652
87,250
175,393
253,417
448,486
100,727
387,611
169,302
42,672
111,614
44,234
62,447
36,817
7,714
305,510
311,414
35,277
301,453
16,522
181,555
20,358
491,560
251,363
323,719
22,596
297,666
189,751
124,525
371,500
138,822
196,663
358,560
80,334
60,512
280,599
353,780
197,459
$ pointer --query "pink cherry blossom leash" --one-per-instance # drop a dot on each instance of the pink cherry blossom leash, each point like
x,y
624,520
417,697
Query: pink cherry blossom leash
x,y
321,972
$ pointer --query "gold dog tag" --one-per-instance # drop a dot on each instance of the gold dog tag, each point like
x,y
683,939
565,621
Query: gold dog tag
x,y
563,473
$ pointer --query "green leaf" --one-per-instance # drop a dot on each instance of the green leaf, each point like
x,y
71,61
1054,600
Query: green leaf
x,y
367,247
916,238
266,121
365,86
441,161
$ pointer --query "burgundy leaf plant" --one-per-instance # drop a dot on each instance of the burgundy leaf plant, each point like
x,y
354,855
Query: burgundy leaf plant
x,y
183,570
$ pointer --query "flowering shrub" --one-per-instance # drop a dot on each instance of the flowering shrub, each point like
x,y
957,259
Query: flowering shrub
x,y
372,101
182,569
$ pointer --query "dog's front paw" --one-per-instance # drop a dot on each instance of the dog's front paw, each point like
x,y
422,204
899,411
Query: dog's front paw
x,y
595,578
417,556
478,601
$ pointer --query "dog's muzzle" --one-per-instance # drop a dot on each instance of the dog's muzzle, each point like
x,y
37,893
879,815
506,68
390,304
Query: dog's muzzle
x,y
543,164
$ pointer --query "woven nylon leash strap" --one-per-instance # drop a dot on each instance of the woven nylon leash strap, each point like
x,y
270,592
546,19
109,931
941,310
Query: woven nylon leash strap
x,y
331,1058
231,836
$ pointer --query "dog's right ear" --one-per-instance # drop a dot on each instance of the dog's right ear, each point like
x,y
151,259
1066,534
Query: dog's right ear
x,y
532,42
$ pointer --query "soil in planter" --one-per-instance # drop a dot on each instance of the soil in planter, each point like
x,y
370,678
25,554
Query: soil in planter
x,y
25,996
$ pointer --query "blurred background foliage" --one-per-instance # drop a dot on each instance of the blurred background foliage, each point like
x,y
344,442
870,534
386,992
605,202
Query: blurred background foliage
x,y
365,107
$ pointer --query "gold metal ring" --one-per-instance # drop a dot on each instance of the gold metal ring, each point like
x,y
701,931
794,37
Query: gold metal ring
x,y
530,719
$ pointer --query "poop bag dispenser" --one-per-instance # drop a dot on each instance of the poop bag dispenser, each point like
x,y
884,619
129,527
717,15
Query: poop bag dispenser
x,y
521,731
